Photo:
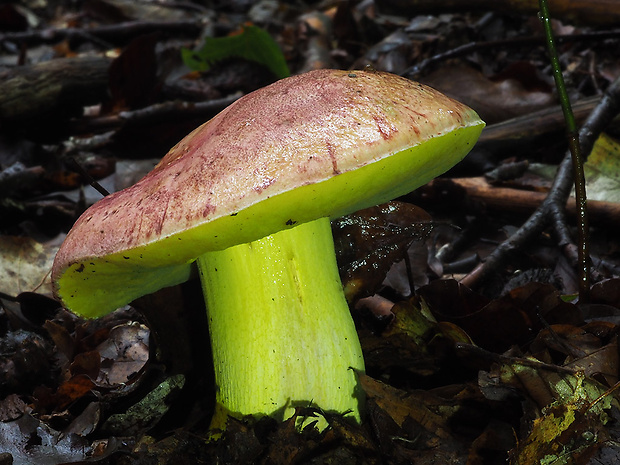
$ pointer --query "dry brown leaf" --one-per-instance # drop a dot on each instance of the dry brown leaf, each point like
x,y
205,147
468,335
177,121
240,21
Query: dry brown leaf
x,y
493,100
25,265
402,406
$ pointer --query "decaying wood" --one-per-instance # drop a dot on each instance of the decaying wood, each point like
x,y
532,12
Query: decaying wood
x,y
18,177
594,12
508,199
157,113
106,35
55,88
524,129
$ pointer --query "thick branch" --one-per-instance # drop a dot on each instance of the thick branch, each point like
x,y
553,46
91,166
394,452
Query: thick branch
x,y
521,201
53,88
107,35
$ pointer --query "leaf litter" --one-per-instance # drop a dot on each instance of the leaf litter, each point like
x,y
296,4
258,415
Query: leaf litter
x,y
514,372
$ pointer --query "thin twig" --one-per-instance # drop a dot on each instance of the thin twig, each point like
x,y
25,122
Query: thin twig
x,y
88,178
160,112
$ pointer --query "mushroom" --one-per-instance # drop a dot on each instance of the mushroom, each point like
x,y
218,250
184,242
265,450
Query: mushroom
x,y
248,197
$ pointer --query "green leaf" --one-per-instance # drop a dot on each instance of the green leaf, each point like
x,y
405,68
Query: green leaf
x,y
253,44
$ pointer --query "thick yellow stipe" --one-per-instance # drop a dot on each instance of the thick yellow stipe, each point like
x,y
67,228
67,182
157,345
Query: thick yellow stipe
x,y
280,327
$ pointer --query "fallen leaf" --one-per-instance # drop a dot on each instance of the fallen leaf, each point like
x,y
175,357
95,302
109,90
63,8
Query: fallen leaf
x,y
602,170
401,406
493,100
25,265
29,441
570,427
370,241
123,354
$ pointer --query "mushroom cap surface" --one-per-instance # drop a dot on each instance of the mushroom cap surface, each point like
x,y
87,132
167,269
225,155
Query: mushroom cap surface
x,y
322,144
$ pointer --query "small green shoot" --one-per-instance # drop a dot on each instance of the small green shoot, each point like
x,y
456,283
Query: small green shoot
x,y
583,247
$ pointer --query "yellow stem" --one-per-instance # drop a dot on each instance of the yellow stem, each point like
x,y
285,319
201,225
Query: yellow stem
x,y
281,331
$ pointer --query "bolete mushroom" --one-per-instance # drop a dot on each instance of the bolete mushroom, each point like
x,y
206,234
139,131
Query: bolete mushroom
x,y
248,197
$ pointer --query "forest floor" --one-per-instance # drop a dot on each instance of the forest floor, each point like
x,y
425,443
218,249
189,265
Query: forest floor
x,y
479,346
